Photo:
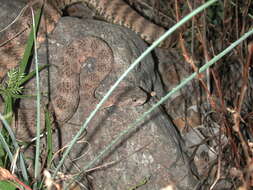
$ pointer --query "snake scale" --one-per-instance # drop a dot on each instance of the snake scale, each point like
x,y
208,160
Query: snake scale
x,y
88,49
94,58
81,53
115,11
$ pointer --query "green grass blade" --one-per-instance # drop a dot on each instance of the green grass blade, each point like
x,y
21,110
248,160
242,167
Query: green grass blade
x,y
8,107
136,62
177,88
16,146
9,100
49,138
2,139
38,99
32,74
29,45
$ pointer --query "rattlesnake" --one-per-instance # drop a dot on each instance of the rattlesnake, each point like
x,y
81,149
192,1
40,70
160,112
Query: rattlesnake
x,y
87,52
116,11
94,58
66,97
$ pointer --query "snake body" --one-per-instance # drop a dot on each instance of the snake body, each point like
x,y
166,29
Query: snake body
x,y
13,40
96,58
119,12
89,51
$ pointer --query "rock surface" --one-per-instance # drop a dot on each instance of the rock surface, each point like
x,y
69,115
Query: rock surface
x,y
149,153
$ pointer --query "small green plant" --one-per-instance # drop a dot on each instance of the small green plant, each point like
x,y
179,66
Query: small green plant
x,y
12,86
12,89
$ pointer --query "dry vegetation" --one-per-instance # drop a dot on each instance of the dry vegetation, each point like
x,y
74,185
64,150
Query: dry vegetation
x,y
230,96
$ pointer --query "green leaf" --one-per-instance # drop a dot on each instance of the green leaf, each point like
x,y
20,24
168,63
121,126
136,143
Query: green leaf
x,y
31,74
48,120
7,185
29,44
16,76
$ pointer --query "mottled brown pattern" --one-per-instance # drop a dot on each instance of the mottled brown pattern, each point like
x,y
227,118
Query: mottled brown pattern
x,y
66,97
79,54
119,12
116,11
94,58
13,40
